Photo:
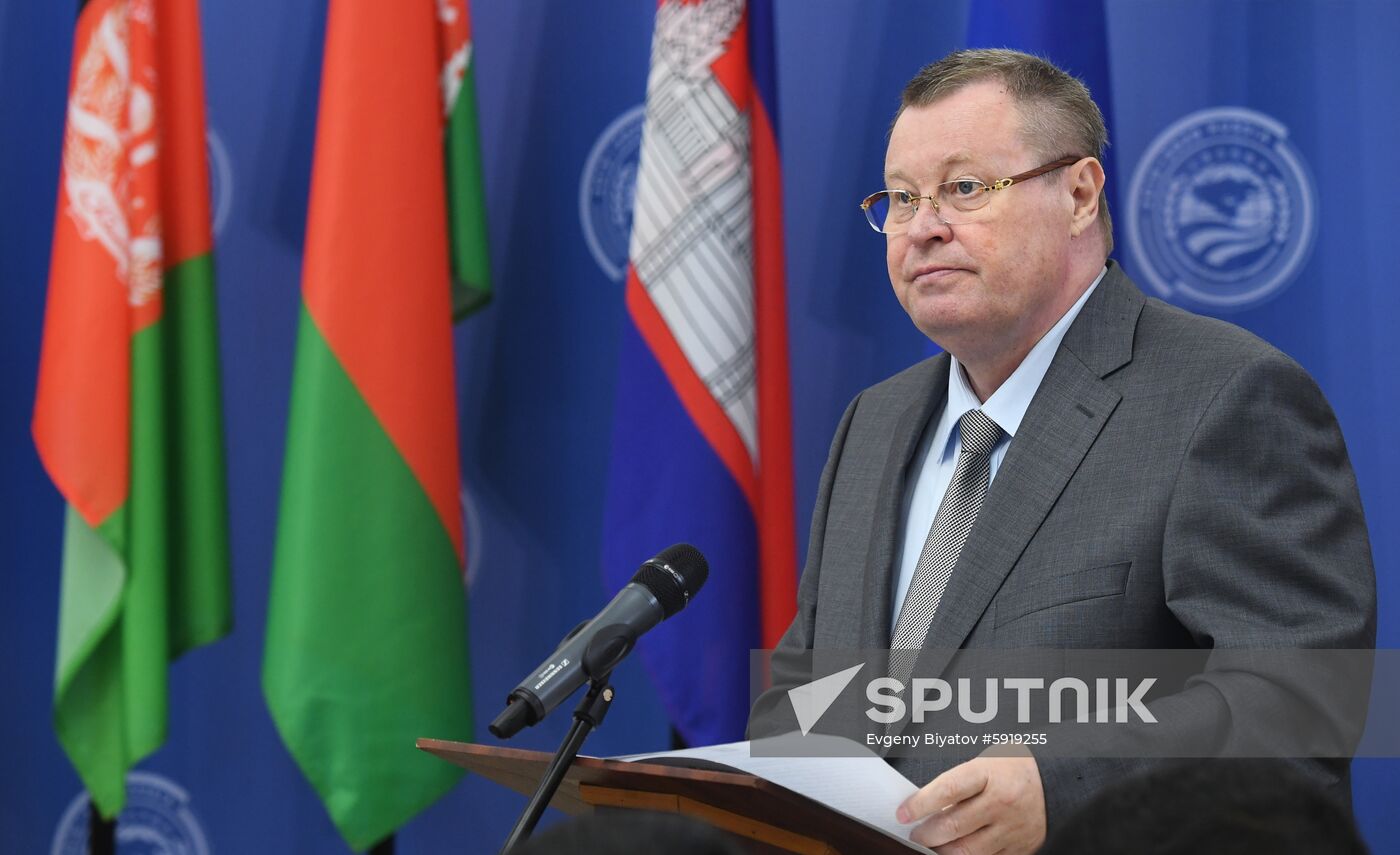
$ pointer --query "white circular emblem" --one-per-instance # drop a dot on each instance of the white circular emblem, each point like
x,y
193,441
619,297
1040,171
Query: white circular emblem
x,y
157,820
1221,209
220,181
607,190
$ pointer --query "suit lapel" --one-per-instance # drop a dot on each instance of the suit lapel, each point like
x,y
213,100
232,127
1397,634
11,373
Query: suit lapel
x,y
889,504
1063,420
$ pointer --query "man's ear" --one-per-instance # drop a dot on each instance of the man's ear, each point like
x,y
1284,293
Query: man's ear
x,y
1086,181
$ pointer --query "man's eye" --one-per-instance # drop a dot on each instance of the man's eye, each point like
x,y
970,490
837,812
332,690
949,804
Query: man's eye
x,y
901,198
966,187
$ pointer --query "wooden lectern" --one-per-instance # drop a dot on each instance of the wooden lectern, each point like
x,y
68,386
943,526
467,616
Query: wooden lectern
x,y
773,818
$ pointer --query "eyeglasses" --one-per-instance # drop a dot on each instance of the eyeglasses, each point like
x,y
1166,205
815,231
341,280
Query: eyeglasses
x,y
962,200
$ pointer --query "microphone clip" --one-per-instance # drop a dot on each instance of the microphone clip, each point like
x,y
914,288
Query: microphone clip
x,y
606,650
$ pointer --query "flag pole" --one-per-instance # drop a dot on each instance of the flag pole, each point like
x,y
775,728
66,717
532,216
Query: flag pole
x,y
102,833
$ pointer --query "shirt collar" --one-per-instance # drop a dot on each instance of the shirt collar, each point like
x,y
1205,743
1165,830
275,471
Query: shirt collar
x,y
1008,404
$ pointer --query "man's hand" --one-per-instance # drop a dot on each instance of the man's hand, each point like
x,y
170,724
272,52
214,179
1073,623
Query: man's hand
x,y
991,804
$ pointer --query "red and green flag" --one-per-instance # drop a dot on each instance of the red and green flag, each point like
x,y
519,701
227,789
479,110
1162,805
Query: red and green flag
x,y
127,415
466,199
366,640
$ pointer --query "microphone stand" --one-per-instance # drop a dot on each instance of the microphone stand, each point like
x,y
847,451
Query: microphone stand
x,y
603,654
588,715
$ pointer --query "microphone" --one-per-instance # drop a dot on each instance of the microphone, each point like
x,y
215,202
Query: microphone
x,y
661,587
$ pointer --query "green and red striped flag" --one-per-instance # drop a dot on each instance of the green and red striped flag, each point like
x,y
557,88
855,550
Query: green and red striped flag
x,y
366,640
127,415
466,198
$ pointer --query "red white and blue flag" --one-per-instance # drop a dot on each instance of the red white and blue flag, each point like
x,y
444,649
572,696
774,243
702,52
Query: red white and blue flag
x,y
702,437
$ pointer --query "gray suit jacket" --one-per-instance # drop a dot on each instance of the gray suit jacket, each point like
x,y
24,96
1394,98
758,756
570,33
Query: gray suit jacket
x,y
1176,482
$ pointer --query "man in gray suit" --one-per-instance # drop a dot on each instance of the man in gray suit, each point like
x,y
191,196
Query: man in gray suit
x,y
1083,468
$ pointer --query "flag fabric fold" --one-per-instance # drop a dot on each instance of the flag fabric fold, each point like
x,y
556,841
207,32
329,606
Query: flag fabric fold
x,y
127,414
701,448
366,644
466,193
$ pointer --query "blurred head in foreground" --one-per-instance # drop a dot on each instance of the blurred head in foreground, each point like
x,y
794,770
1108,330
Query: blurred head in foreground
x,y
623,832
1225,807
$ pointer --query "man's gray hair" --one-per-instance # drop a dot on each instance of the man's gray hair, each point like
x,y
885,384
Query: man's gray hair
x,y
1058,115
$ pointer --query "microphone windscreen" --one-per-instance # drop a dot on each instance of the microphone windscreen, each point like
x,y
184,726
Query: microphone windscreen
x,y
674,576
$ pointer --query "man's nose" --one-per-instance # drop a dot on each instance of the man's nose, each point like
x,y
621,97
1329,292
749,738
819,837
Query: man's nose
x,y
928,224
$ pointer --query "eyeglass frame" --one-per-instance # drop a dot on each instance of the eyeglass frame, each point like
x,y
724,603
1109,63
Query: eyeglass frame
x,y
999,184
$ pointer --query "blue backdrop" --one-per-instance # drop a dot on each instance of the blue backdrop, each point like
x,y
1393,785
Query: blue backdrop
x,y
1294,238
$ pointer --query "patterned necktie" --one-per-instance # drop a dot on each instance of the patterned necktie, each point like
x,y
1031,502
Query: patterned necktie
x,y
946,537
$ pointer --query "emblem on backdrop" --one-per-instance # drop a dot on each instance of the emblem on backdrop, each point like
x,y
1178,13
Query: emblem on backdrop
x,y
472,529
607,189
1221,209
220,181
157,819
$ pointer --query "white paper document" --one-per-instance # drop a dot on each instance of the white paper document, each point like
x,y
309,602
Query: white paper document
x,y
851,779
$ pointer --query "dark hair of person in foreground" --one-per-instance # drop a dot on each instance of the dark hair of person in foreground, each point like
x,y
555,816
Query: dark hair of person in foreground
x,y
1225,807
